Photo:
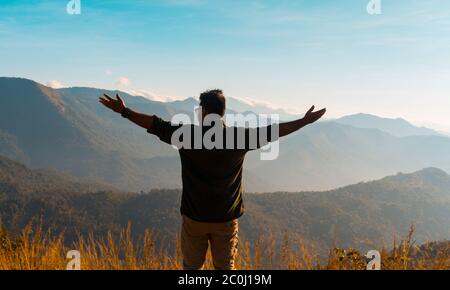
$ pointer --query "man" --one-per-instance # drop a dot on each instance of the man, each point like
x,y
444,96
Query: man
x,y
212,178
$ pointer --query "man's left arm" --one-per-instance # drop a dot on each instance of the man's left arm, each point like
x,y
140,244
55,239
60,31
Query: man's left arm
x,y
293,126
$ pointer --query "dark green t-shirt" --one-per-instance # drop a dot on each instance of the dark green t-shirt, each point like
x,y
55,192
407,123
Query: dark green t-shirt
x,y
211,178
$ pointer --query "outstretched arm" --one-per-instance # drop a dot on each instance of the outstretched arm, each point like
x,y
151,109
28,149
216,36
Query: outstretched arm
x,y
118,105
309,118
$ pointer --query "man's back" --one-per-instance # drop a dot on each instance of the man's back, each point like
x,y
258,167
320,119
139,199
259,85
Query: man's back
x,y
212,184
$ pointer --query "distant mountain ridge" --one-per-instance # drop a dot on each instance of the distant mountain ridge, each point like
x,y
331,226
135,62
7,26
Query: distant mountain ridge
x,y
397,127
68,130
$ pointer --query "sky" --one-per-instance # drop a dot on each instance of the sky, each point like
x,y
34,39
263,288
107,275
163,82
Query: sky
x,y
289,54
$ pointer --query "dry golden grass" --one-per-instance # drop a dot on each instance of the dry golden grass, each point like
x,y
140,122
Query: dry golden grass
x,y
35,249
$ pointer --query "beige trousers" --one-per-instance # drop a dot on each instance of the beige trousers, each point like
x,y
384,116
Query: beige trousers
x,y
195,236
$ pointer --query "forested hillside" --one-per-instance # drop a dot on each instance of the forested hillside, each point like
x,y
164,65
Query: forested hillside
x,y
358,215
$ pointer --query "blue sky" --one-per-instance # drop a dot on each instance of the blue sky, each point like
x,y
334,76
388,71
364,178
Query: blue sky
x,y
287,53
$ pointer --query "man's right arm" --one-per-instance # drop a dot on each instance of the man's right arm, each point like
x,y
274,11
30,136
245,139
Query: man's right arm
x,y
118,105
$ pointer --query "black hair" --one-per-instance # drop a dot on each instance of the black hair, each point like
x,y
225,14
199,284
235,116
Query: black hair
x,y
213,101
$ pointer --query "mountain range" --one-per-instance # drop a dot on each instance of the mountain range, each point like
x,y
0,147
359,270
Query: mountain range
x,y
69,131
397,127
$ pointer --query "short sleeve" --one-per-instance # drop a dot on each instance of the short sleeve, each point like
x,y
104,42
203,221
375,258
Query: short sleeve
x,y
163,129
260,137
251,138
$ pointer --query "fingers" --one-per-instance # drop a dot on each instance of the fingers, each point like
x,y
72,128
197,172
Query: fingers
x,y
319,113
119,98
322,111
108,97
310,110
103,101
106,100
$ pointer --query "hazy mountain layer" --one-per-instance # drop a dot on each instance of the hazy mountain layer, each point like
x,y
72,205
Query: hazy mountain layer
x,y
68,130
397,127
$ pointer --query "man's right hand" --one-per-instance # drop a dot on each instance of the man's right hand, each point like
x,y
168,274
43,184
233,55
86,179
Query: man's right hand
x,y
117,105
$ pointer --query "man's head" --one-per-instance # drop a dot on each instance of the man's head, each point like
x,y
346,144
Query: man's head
x,y
213,102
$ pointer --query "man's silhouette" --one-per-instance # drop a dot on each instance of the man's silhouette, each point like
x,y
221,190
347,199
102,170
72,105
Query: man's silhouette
x,y
212,179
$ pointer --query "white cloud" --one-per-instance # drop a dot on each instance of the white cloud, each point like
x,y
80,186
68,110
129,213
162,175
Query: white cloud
x,y
268,105
253,102
154,97
55,84
123,82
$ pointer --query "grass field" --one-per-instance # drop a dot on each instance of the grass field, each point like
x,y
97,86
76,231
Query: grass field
x,y
36,249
